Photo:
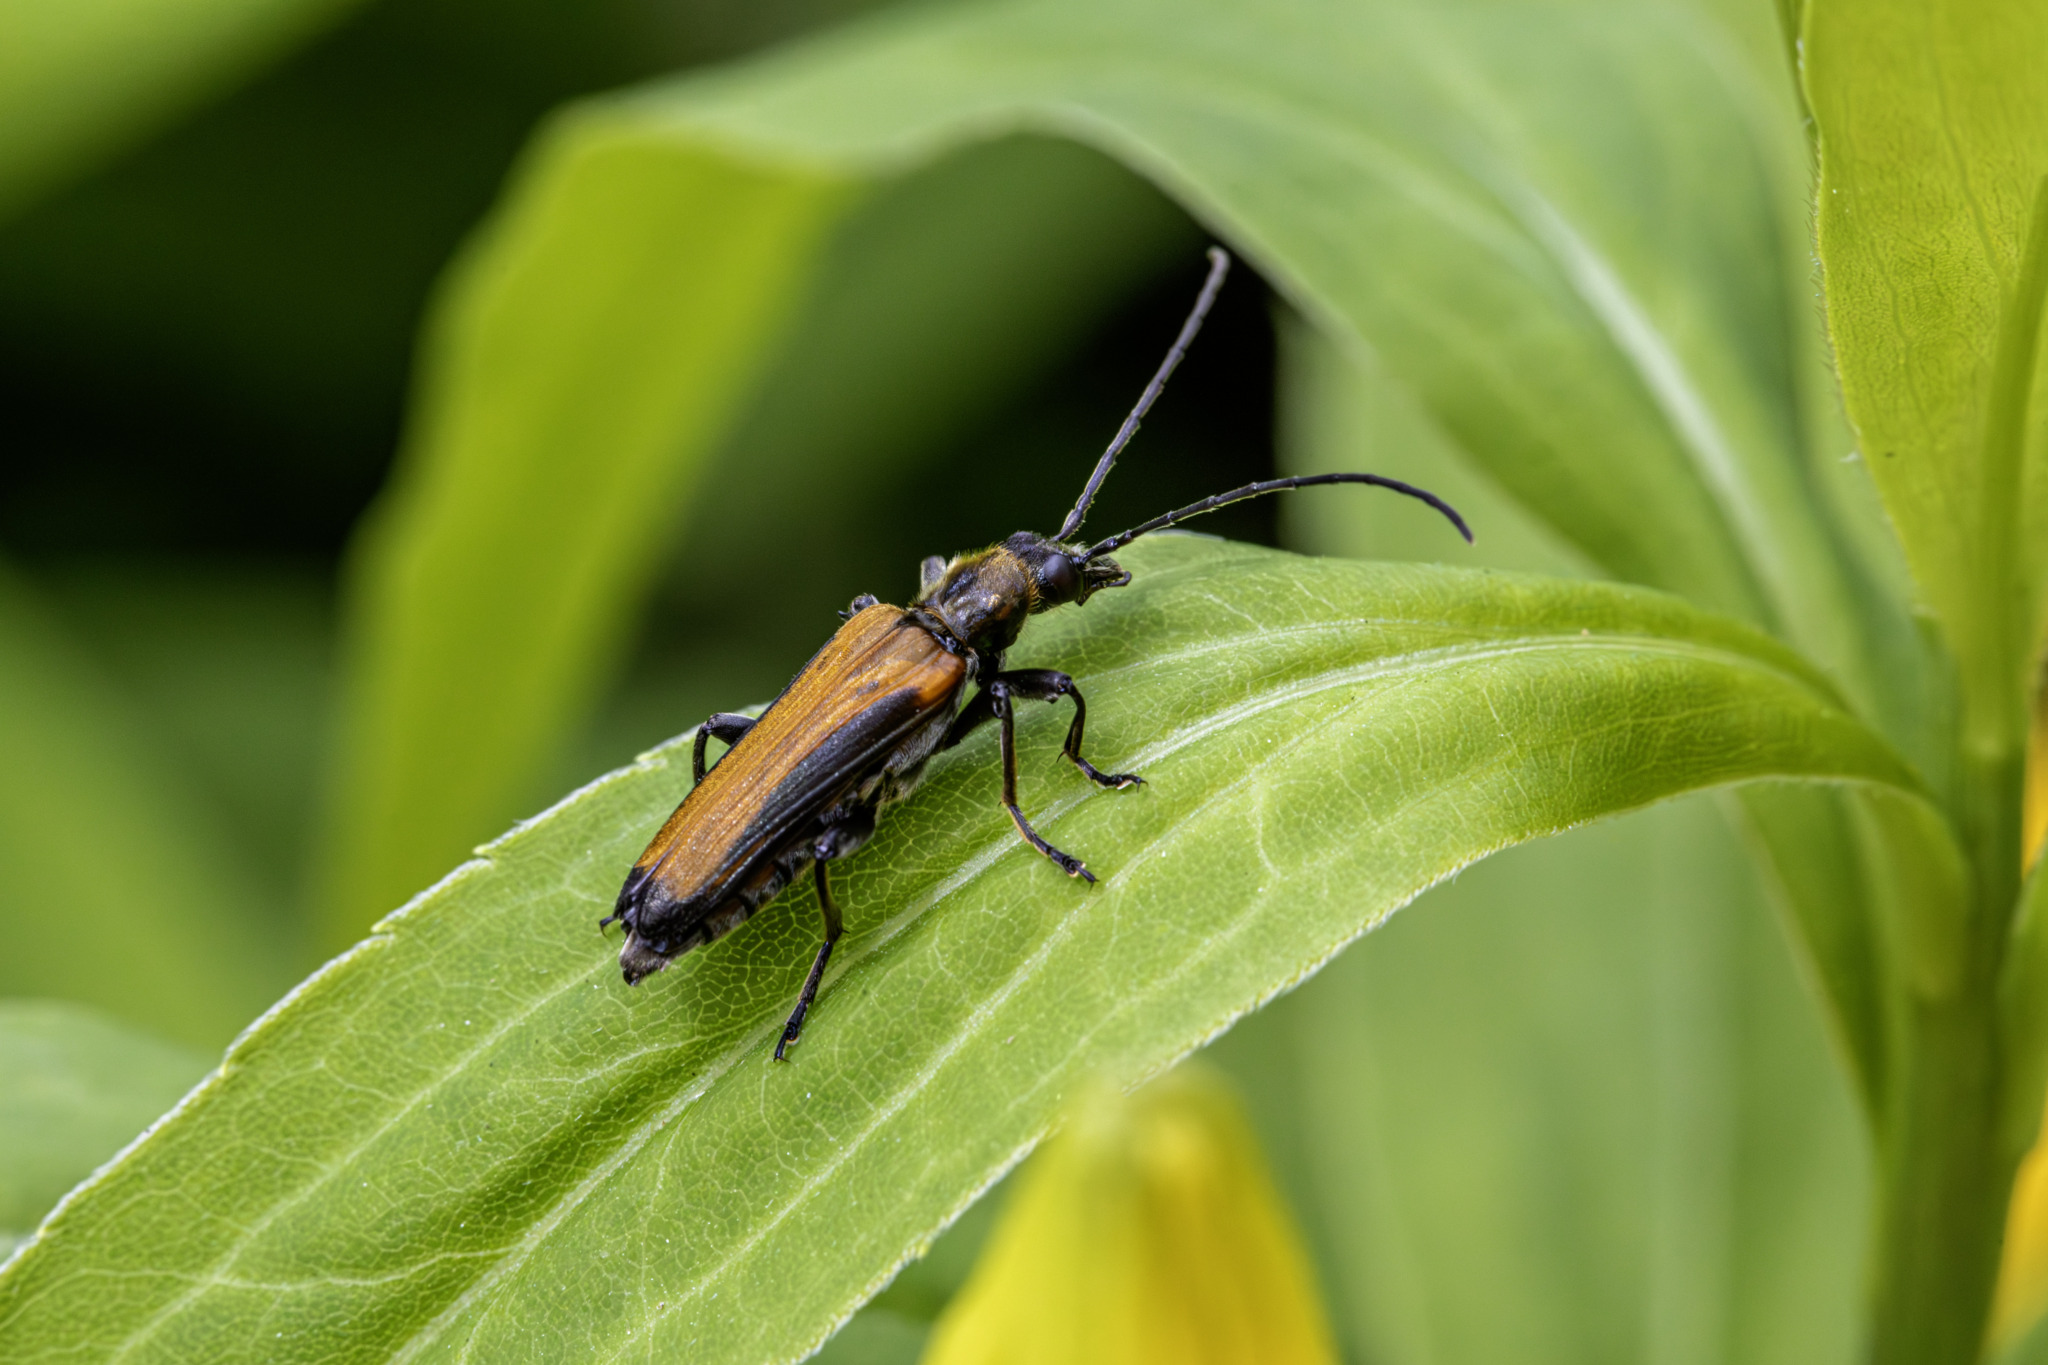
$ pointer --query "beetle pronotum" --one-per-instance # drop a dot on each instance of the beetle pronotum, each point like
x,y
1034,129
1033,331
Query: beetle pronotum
x,y
852,732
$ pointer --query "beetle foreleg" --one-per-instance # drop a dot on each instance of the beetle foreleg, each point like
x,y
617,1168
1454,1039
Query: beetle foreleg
x,y
1046,684
999,693
724,726
833,926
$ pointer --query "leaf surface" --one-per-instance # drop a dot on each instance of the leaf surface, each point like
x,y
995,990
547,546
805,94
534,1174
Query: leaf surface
x,y
467,1137
1933,240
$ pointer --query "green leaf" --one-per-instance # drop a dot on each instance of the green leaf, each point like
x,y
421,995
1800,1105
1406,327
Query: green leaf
x,y
1933,238
82,79
1411,177
1543,219
75,1087
466,1135
1340,412
1575,1104
115,889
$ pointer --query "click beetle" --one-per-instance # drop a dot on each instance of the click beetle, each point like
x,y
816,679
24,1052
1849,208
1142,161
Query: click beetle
x,y
801,785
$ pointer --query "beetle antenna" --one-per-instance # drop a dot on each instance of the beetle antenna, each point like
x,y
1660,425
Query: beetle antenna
x,y
1219,266
1259,490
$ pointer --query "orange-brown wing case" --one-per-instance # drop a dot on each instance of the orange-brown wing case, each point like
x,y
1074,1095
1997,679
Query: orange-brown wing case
x,y
880,681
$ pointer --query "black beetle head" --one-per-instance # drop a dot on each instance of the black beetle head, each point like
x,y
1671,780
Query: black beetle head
x,y
984,597
1059,573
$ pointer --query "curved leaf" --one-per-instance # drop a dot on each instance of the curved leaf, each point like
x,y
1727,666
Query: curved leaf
x,y
1544,219
1933,239
467,1137
80,79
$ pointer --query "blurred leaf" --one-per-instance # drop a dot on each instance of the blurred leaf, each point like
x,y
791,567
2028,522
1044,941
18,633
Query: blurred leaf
x,y
229,669
114,889
75,1087
1340,411
946,292
1933,239
1414,178
1147,1230
496,579
466,1136
876,1336
1574,1105
2031,1349
81,79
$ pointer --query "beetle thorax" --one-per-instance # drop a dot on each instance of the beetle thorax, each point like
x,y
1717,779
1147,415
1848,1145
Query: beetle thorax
x,y
983,598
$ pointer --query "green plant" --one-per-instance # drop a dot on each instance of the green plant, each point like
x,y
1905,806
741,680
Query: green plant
x,y
1553,255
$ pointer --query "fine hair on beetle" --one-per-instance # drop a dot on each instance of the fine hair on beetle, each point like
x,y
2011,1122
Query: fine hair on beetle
x,y
800,786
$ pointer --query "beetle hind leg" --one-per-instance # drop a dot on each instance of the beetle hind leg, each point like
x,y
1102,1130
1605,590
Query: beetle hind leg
x,y
836,842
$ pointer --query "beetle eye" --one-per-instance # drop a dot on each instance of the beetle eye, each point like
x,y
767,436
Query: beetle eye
x,y
1059,576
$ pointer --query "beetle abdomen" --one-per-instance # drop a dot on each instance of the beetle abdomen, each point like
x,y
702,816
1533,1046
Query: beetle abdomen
x,y
660,928
879,693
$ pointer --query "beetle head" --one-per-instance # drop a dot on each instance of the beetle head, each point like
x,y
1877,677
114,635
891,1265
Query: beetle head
x,y
1062,573
985,597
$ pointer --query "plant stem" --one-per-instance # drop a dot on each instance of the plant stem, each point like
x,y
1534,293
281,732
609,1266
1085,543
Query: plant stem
x,y
1941,1191
1944,1177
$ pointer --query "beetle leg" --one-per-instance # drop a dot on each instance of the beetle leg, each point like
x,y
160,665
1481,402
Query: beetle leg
x,y
723,726
833,926
977,713
1067,863
859,605
1046,684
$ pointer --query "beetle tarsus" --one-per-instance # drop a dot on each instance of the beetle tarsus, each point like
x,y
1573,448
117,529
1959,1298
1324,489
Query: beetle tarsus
x,y
1113,781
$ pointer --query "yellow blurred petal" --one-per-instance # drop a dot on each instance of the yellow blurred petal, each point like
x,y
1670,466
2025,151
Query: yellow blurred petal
x,y
1148,1231
2023,1274
2034,805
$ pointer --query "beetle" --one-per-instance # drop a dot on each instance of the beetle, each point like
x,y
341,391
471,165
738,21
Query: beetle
x,y
851,734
